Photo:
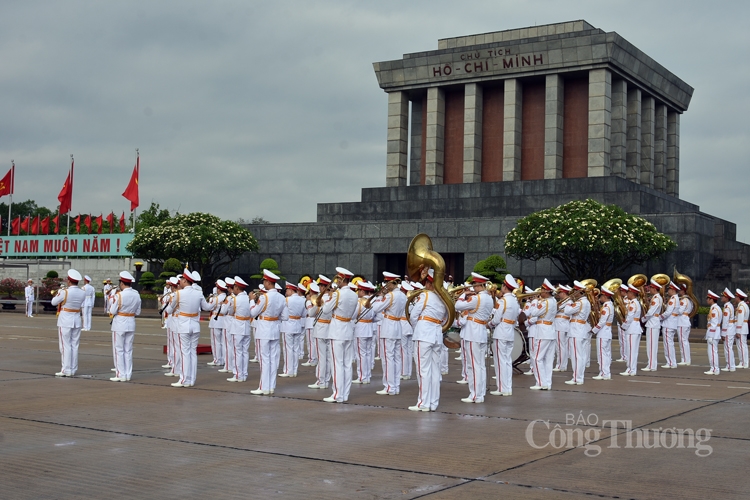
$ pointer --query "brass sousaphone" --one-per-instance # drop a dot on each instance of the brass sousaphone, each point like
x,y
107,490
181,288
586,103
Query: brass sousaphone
x,y
682,279
621,312
419,256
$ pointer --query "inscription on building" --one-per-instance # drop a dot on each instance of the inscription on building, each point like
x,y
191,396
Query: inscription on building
x,y
487,61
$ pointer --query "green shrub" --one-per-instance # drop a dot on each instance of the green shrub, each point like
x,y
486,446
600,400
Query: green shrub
x,y
147,280
172,266
52,274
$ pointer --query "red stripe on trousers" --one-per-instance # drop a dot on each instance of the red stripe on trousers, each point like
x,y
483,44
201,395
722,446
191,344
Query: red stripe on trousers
x,y
335,386
421,376
575,366
473,370
536,363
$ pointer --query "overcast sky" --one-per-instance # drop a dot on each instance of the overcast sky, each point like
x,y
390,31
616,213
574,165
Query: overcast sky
x,y
247,108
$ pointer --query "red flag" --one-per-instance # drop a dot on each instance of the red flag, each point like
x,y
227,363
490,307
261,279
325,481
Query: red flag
x,y
6,183
66,193
45,225
77,220
56,220
16,226
131,192
25,224
122,223
87,223
99,223
111,221
35,225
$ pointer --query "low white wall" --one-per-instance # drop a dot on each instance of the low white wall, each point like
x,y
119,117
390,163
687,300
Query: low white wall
x,y
97,269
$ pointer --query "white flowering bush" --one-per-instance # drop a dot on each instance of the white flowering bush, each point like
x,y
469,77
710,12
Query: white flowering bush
x,y
207,243
585,239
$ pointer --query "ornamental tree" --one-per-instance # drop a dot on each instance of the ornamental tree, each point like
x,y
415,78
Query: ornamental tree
x,y
493,268
203,241
585,239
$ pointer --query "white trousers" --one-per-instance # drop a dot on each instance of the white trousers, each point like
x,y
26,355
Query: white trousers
x,y
228,353
741,350
28,308
667,336
312,347
292,353
561,351
268,353
713,355
69,339
476,371
683,333
504,364
390,356
464,374
407,355
176,352
587,350
577,349
621,342
427,358
443,359
189,357
217,345
633,342
341,369
544,357
86,313
238,346
375,344
604,356
532,353
363,355
300,339
323,353
729,351
123,342
170,348
652,347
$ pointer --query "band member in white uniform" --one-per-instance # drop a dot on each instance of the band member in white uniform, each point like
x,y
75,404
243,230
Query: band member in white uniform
x,y
88,304
603,332
728,330
742,311
309,319
292,330
562,327
504,320
238,329
631,331
224,312
530,329
173,355
653,324
126,306
342,305
392,305
478,306
320,334
669,324
428,314
363,332
69,302
105,292
543,317
29,295
579,312
216,324
188,303
623,291
713,333
407,349
268,310
683,326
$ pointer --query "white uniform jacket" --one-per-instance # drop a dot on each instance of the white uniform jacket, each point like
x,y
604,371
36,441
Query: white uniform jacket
x,y
71,300
29,293
187,303
632,323
562,320
603,329
479,309
296,308
542,315
268,312
342,306
713,328
392,305
238,317
579,312
89,294
742,316
686,307
219,311
728,320
364,319
505,317
126,306
671,313
654,310
428,313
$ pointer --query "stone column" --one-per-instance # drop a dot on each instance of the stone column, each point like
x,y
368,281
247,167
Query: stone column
x,y
660,148
512,109
618,155
435,143
633,155
600,122
553,127
415,156
473,100
648,105
673,153
398,139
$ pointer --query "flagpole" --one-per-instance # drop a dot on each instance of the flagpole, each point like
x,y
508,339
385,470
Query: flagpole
x,y
67,231
138,164
12,181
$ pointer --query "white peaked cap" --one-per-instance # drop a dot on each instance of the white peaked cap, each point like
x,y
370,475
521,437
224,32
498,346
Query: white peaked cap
x,y
229,281
390,276
728,293
314,287
221,284
174,280
579,285
87,278
126,277
74,275
740,293
528,290
417,285
406,286
196,277
277,286
547,285
624,286
261,287
478,278
270,276
511,282
239,281
215,290
344,272
713,295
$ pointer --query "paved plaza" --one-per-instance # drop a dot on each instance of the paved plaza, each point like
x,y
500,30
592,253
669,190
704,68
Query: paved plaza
x,y
87,437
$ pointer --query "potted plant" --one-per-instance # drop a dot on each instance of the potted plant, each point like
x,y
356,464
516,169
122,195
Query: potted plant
x,y
8,287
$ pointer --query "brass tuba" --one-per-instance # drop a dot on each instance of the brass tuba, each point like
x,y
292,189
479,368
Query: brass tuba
x,y
663,280
591,294
682,279
639,281
419,256
621,312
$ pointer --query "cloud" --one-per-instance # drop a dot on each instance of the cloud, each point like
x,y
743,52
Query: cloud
x,y
268,108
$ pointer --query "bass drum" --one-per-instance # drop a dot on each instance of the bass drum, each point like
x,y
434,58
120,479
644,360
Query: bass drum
x,y
519,345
